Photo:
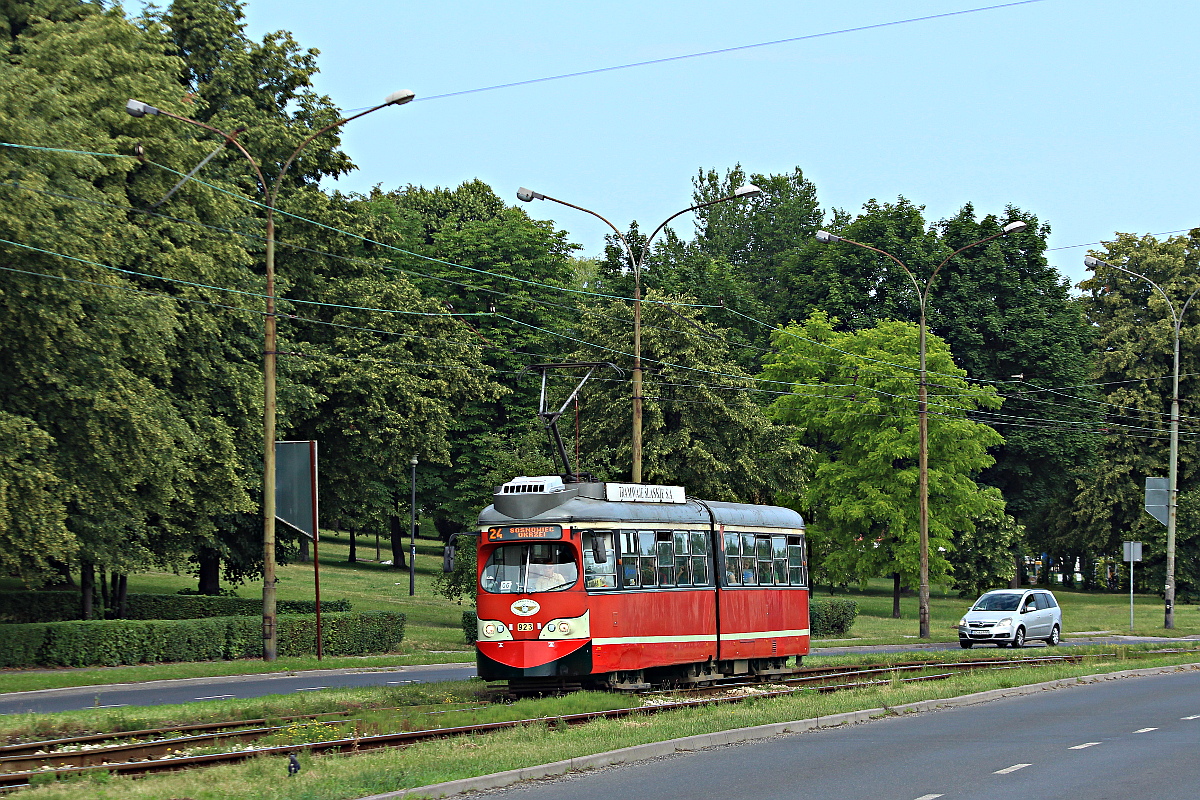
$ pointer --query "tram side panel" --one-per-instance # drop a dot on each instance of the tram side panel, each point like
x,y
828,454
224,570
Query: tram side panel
x,y
646,628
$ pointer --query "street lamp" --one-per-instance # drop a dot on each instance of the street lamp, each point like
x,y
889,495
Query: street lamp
x,y
526,195
1173,474
412,533
137,108
922,404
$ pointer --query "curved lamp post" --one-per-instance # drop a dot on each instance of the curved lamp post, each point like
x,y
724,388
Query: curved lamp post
x,y
1173,474
635,263
270,193
922,401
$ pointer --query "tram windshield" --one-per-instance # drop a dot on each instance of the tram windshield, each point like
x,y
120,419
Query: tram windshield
x,y
523,568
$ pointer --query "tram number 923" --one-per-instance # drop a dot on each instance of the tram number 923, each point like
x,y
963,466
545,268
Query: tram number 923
x,y
520,533
524,626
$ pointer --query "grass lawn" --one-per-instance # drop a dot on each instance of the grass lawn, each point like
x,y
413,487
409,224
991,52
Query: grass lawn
x,y
1090,611
434,632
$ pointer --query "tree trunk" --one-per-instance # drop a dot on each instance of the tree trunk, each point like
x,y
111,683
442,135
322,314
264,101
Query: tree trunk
x,y
1018,569
303,557
122,595
895,595
209,561
87,585
398,526
105,605
353,549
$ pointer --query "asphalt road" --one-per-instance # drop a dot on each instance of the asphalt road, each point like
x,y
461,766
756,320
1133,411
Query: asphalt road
x,y
1110,740
154,693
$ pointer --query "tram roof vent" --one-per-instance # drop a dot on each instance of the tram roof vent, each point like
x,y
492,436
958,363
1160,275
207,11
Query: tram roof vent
x,y
546,484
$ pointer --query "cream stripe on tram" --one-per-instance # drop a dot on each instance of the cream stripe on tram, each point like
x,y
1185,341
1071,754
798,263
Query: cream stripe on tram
x,y
725,635
700,638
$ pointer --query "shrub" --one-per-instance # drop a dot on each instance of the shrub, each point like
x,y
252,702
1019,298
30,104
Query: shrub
x,y
831,617
470,623
83,643
22,607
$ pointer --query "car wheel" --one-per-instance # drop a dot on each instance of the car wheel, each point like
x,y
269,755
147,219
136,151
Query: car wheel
x,y
1019,638
1055,637
964,644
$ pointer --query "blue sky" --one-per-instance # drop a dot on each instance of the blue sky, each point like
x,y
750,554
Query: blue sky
x,y
1083,112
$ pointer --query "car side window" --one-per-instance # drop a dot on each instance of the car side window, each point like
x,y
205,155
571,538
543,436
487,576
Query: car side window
x,y
1030,604
1050,601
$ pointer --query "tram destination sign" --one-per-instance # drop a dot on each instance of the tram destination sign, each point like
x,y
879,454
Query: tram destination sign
x,y
521,533
644,493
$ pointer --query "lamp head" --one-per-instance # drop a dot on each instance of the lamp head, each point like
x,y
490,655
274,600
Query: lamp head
x,y
825,237
414,461
399,98
1016,225
525,195
1091,263
749,190
136,108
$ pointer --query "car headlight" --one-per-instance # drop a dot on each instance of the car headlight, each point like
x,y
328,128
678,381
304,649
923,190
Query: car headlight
x,y
962,623
1005,623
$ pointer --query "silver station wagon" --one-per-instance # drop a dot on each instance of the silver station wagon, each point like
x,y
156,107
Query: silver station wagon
x,y
1011,617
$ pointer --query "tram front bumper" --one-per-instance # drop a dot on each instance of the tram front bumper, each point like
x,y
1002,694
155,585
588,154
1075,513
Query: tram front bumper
x,y
528,658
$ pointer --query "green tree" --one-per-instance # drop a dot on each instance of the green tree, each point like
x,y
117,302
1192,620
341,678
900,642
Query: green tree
x,y
1134,367
852,398
702,425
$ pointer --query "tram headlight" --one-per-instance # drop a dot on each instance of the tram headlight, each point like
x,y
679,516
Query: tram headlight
x,y
489,630
569,628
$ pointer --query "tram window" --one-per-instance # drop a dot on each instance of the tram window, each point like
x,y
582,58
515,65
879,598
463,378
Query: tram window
x,y
797,571
779,559
733,564
749,574
521,568
602,575
666,560
699,543
762,553
700,571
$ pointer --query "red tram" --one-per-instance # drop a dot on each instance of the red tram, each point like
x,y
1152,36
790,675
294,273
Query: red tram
x,y
622,586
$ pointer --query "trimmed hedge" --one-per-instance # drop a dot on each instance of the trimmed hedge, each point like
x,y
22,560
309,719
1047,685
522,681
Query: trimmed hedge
x,y
87,643
25,607
470,625
831,617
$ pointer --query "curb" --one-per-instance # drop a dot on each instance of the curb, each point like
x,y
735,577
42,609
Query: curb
x,y
642,752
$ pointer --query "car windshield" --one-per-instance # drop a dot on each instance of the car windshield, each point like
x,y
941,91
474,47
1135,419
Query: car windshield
x,y
997,602
525,568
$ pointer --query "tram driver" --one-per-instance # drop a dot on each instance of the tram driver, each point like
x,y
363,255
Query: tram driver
x,y
544,572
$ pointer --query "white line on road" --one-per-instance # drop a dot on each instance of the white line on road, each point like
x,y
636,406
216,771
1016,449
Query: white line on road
x,y
1081,746
1145,730
214,697
929,797
1193,716
395,683
118,705
312,688
1013,768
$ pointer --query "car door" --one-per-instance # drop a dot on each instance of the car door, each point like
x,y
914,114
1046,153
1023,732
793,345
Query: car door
x,y
1029,616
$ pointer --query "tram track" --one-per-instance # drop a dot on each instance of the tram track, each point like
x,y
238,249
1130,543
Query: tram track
x,y
22,763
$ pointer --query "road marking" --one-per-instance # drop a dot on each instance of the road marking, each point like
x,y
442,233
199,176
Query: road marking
x,y
1013,768
117,705
929,797
312,688
214,697
396,683
1081,746
1145,730
1193,716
